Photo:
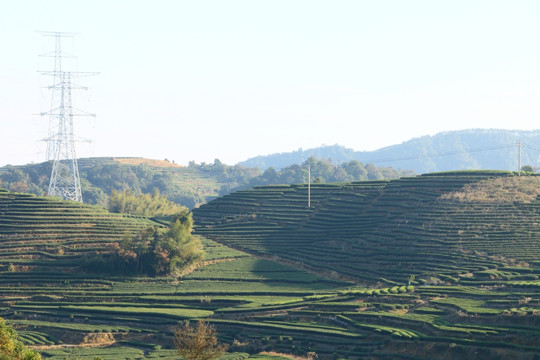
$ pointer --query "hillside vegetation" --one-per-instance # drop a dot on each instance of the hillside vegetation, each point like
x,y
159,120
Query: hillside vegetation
x,y
189,186
55,305
386,231
149,205
11,348
332,279
461,150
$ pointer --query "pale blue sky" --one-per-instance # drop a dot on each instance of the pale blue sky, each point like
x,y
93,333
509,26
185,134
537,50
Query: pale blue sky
x,y
199,80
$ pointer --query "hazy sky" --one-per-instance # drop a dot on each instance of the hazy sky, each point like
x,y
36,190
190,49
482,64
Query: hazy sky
x,y
199,80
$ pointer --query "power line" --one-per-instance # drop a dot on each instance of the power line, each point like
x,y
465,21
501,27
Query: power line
x,y
443,154
530,147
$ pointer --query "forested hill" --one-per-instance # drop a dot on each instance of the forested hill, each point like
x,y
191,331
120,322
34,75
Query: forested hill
x,y
470,149
186,185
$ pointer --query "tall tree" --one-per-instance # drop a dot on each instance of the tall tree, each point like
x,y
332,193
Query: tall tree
x,y
156,251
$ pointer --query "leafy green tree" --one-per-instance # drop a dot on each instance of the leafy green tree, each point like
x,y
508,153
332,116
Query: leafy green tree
x,y
11,347
270,176
340,175
321,169
177,248
373,172
93,194
155,251
355,170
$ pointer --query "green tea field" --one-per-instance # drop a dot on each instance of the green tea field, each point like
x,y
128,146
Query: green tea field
x,y
441,266
449,259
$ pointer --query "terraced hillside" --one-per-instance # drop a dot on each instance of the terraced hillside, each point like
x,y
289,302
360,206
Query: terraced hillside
x,y
64,311
489,310
47,234
469,242
386,231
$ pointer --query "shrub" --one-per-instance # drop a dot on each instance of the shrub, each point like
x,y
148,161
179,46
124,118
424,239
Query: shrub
x,y
198,342
11,348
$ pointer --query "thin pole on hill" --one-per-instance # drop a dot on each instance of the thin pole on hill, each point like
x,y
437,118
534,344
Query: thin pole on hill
x,y
309,186
519,159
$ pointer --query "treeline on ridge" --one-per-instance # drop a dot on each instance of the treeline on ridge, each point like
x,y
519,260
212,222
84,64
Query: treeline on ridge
x,y
190,186
325,171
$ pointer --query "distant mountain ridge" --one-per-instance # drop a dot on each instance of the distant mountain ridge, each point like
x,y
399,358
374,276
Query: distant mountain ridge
x,y
451,150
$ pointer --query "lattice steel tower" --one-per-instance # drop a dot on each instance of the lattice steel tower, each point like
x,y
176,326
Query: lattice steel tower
x,y
65,182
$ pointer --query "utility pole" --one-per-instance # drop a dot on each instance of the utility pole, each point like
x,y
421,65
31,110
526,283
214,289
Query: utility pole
x,y
65,181
519,158
309,187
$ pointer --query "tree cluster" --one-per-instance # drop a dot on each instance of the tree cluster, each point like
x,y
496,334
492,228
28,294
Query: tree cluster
x,y
324,171
153,251
24,180
11,347
148,205
190,186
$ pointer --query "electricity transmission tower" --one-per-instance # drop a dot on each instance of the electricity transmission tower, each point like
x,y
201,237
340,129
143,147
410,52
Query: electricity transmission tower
x,y
64,182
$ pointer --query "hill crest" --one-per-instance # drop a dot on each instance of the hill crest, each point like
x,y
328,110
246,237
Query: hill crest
x,y
147,162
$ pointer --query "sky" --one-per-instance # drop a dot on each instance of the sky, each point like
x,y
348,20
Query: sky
x,y
200,80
